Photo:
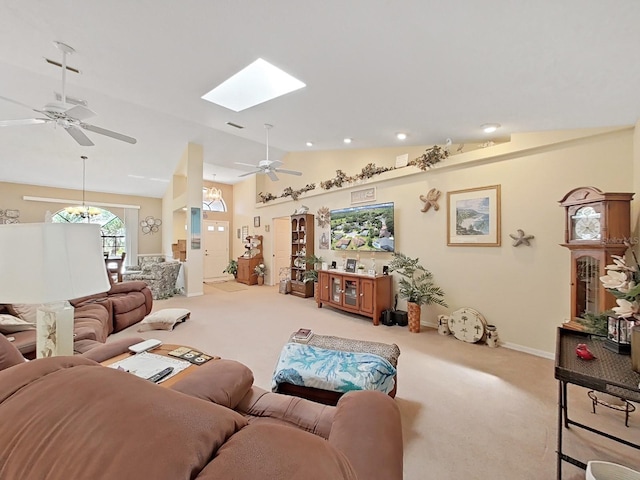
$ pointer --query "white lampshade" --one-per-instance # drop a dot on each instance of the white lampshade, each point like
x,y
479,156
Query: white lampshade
x,y
50,262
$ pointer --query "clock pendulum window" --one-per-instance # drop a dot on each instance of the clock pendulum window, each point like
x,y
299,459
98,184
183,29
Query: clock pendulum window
x,y
596,226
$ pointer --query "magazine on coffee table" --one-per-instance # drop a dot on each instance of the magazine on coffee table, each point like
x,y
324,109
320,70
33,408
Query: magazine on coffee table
x,y
145,365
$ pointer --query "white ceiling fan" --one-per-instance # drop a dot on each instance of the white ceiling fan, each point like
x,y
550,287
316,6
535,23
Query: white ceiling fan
x,y
270,167
65,114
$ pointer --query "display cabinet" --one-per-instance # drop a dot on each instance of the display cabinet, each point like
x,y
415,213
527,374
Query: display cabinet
x,y
366,295
302,245
250,260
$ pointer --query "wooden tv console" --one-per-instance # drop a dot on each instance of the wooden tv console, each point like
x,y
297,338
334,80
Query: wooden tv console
x,y
366,295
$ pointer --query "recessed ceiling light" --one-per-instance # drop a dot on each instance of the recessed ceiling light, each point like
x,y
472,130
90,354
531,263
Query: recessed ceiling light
x,y
489,127
348,140
401,136
309,144
253,85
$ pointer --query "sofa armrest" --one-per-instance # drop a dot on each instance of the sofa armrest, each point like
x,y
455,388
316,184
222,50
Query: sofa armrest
x,y
368,430
224,382
127,287
109,350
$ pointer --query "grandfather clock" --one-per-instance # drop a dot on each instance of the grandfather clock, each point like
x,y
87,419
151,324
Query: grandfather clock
x,y
596,226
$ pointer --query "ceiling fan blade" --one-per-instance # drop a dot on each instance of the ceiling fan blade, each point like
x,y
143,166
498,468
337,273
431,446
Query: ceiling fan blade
x,y
274,163
18,103
80,112
249,173
26,121
108,133
272,175
289,172
79,136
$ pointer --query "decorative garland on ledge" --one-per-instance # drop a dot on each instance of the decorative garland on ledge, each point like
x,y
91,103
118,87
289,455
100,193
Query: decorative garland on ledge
x,y
430,157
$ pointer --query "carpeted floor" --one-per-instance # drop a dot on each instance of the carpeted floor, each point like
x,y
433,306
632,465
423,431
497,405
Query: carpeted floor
x,y
229,286
468,411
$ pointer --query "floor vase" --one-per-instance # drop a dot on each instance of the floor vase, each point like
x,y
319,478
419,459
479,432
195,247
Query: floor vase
x,y
414,317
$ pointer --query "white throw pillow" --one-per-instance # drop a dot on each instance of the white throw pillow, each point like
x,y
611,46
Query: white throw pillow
x,y
164,319
11,324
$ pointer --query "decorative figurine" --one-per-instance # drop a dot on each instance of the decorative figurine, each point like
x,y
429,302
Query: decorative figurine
x,y
583,352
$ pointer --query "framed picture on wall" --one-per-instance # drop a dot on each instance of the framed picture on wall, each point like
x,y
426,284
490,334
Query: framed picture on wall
x,y
473,217
256,221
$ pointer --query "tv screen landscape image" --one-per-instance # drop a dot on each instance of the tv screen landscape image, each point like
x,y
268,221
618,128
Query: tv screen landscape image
x,y
364,228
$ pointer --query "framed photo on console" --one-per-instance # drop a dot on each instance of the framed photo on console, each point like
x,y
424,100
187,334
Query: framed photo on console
x,y
351,265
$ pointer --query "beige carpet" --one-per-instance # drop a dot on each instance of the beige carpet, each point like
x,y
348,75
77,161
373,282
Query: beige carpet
x,y
230,286
468,411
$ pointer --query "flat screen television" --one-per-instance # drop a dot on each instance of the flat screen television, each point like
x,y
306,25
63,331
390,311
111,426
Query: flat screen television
x,y
367,228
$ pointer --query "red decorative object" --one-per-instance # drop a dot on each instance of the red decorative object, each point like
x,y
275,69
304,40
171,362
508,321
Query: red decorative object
x,y
583,352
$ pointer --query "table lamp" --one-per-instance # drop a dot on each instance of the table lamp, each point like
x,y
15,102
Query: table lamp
x,y
48,264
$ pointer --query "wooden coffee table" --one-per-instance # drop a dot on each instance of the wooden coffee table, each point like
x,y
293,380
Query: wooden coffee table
x,y
163,350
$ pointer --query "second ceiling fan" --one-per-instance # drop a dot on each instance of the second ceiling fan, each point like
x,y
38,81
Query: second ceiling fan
x,y
269,167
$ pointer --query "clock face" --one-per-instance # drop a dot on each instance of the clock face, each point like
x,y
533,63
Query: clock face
x,y
586,224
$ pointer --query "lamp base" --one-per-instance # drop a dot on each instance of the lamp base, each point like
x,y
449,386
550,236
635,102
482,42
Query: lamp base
x,y
621,348
54,330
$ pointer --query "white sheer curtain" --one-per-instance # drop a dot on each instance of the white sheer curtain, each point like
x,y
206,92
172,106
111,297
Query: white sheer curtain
x,y
131,236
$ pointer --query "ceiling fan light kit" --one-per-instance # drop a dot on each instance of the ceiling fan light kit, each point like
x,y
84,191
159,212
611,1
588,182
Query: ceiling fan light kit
x,y
268,167
69,115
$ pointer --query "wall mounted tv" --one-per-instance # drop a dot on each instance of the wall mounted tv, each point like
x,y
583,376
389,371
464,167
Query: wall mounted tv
x,y
367,228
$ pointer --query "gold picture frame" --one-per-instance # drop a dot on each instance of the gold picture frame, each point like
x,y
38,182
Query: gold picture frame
x,y
473,217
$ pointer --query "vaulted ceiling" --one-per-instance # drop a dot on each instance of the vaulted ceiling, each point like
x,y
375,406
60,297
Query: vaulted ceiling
x,y
373,68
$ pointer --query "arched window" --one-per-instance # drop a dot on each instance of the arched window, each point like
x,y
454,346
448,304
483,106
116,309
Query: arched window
x,y
214,206
111,226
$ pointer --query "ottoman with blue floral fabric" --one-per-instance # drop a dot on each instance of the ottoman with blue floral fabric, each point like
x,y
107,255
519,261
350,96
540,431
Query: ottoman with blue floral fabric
x,y
326,367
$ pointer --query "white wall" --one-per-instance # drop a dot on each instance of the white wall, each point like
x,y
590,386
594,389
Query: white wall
x,y
524,291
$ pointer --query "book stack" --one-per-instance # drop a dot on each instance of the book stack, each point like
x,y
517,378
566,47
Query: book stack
x,y
193,356
302,336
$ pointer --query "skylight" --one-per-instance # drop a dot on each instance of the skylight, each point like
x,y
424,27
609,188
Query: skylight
x,y
255,84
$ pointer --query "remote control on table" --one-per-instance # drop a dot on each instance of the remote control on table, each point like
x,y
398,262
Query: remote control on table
x,y
160,375
144,346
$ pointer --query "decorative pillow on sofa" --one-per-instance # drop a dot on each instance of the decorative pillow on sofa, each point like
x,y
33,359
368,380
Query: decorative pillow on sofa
x,y
164,319
11,324
25,311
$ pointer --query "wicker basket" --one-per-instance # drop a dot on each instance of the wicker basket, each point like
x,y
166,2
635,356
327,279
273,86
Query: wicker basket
x,y
610,471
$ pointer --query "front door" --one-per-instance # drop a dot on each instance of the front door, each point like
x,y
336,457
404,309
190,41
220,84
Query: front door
x,y
216,248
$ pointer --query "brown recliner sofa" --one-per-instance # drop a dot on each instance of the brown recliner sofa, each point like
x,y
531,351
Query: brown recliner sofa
x,y
211,425
95,317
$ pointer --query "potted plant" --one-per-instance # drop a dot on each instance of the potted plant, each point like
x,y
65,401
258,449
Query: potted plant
x,y
232,268
260,270
416,286
312,275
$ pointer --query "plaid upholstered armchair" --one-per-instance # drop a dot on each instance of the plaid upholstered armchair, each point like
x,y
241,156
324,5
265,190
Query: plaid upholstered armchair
x,y
159,274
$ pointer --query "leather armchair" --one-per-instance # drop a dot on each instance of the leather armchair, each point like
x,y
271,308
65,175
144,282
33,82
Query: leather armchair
x,y
158,274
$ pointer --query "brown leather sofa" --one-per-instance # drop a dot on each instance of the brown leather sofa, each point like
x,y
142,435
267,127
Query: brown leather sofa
x,y
96,316
211,425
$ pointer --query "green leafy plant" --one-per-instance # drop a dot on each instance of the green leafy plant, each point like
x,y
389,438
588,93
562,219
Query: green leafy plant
x,y
232,268
417,283
311,275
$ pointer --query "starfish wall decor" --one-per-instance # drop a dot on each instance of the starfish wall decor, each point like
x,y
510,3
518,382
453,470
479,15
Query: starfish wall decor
x,y
430,200
521,238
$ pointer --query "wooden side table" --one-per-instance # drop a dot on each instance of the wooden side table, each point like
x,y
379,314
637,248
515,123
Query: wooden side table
x,y
609,373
